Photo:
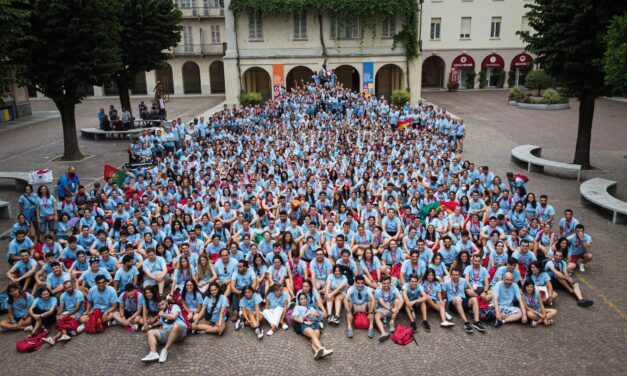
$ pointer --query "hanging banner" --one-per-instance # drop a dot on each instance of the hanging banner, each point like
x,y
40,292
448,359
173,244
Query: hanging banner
x,y
454,74
278,83
368,82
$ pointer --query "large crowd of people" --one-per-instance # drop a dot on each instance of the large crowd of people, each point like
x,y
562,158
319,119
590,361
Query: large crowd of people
x,y
318,205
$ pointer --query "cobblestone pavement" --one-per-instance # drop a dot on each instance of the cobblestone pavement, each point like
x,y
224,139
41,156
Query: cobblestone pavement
x,y
582,342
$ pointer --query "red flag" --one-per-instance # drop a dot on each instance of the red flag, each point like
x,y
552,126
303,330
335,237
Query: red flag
x,y
118,176
403,123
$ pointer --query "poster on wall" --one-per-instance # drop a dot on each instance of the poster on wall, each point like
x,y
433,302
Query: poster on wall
x,y
368,82
278,83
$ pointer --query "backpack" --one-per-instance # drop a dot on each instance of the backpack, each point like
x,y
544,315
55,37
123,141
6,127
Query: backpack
x,y
297,279
68,323
94,323
289,318
403,335
184,314
522,177
361,321
348,273
125,296
30,344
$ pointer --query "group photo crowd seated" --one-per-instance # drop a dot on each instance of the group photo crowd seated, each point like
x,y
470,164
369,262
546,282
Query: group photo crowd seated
x,y
320,208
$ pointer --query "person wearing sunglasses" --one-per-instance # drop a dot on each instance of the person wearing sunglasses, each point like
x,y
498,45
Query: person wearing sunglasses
x,y
359,298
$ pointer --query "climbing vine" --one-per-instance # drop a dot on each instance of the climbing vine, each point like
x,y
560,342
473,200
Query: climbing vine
x,y
371,12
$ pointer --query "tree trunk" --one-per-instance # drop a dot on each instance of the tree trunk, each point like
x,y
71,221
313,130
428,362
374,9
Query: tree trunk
x,y
125,98
71,151
324,47
584,132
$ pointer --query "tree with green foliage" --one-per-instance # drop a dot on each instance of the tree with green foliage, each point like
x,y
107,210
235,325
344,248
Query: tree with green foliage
x,y
149,29
568,40
538,80
616,55
72,43
14,16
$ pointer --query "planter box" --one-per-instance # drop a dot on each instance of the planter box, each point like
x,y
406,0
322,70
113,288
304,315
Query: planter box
x,y
540,106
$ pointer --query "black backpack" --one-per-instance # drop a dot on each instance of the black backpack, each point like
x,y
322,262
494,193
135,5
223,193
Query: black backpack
x,y
350,276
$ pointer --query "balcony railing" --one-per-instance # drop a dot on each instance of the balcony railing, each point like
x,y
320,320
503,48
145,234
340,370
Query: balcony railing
x,y
199,49
202,12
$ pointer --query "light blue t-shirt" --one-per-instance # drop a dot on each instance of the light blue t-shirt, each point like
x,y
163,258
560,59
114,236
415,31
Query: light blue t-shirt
x,y
387,296
125,277
102,299
277,301
21,305
359,297
506,295
132,304
249,304
45,305
70,301
209,302
412,294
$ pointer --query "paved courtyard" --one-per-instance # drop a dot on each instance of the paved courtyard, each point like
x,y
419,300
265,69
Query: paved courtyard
x,y
582,342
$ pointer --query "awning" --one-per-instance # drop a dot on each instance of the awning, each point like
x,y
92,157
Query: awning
x,y
493,61
463,61
521,60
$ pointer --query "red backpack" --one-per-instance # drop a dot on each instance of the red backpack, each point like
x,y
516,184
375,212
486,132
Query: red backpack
x,y
30,344
403,335
94,323
361,321
68,323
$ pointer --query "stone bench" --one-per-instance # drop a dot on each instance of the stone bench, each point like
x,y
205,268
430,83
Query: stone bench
x,y
131,133
531,155
596,191
21,179
5,210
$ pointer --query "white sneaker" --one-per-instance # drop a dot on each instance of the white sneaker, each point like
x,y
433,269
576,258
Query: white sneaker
x,y
448,316
285,326
112,323
49,340
447,324
326,352
65,338
164,356
259,333
319,353
581,267
239,324
135,327
270,332
153,356
80,329
28,328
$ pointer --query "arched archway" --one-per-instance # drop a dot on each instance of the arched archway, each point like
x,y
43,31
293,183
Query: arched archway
x,y
191,78
216,77
389,78
433,72
349,76
296,74
257,79
138,86
165,76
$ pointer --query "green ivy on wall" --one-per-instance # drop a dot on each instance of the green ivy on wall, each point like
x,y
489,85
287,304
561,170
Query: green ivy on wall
x,y
371,12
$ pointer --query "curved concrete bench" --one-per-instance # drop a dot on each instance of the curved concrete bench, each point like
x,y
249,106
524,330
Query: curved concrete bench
x,y
5,210
531,155
596,191
131,133
21,179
